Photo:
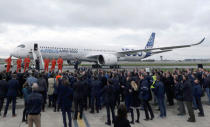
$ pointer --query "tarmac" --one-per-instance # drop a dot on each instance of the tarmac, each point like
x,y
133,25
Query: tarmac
x,y
54,119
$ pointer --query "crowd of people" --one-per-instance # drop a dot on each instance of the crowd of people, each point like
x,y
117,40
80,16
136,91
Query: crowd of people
x,y
93,90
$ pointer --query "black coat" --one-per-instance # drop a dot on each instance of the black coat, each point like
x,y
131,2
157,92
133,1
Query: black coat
x,y
121,122
109,94
169,85
13,87
135,101
3,88
78,90
207,82
42,85
179,91
65,96
187,91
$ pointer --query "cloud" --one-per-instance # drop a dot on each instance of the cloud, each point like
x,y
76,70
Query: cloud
x,y
106,23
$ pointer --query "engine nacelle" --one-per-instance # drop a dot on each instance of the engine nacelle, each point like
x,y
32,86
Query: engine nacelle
x,y
107,59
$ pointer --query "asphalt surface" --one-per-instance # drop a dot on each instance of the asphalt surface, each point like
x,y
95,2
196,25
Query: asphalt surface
x,y
54,119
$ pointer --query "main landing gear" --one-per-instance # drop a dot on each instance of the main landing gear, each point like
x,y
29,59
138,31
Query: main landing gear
x,y
114,66
96,66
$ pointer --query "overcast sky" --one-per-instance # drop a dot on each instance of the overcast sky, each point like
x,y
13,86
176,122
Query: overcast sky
x,y
108,23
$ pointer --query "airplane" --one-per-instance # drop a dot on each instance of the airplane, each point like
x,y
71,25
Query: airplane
x,y
101,57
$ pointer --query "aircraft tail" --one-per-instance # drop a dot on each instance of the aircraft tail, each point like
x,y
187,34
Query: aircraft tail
x,y
150,42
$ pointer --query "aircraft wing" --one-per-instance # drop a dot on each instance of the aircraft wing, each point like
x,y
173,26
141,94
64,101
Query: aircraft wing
x,y
157,52
164,49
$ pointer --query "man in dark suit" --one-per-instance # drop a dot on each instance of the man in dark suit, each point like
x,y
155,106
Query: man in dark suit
x,y
65,98
78,97
3,91
13,86
95,90
188,97
109,98
76,64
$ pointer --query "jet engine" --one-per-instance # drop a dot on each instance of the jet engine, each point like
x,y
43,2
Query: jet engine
x,y
107,59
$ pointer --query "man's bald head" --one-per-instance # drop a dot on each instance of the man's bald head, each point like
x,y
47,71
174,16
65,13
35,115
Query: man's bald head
x,y
35,87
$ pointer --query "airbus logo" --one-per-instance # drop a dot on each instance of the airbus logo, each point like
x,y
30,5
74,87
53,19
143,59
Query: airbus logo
x,y
137,54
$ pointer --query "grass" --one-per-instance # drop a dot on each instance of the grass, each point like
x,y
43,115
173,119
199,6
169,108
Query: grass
x,y
157,64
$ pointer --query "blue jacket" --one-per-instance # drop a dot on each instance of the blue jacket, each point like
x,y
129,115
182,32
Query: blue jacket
x,y
65,96
30,80
35,102
26,93
13,87
87,86
95,87
116,85
145,92
159,89
197,90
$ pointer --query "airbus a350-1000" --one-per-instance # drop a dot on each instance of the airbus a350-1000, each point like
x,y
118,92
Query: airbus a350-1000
x,y
99,56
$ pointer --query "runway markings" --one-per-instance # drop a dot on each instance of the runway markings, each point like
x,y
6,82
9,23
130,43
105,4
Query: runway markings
x,y
75,123
86,121
81,122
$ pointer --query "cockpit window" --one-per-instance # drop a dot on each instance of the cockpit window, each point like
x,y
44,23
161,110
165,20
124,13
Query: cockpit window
x,y
21,46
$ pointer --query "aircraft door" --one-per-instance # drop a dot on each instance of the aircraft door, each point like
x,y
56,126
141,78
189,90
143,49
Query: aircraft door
x,y
35,47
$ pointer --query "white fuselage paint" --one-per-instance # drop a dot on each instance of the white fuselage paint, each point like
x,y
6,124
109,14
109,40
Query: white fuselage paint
x,y
68,53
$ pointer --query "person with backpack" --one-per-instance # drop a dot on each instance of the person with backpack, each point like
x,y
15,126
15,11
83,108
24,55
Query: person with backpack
x,y
146,96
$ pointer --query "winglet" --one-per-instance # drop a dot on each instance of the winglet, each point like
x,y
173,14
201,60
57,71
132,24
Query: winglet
x,y
199,42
